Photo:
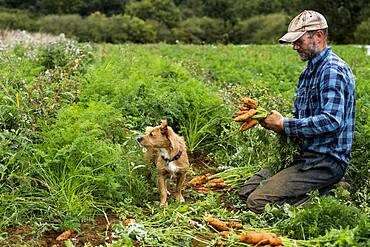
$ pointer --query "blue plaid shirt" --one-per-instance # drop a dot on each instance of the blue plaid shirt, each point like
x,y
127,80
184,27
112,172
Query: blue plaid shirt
x,y
324,108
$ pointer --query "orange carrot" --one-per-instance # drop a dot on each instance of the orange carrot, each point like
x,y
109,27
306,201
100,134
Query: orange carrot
x,y
275,241
217,224
64,236
199,180
235,225
127,221
217,180
251,103
244,108
241,113
217,185
245,116
203,189
263,242
249,124
224,234
256,237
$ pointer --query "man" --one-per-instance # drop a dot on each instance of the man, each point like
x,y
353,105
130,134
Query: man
x,y
324,116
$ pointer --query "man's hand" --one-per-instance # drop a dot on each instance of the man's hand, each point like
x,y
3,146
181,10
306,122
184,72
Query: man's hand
x,y
274,121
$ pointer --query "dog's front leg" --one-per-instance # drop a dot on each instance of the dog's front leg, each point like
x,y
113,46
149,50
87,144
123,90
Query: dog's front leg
x,y
179,186
162,190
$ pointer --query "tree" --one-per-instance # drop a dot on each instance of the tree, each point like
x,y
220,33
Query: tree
x,y
162,11
219,9
108,7
59,7
245,9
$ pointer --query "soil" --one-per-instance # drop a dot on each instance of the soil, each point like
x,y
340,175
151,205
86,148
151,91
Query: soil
x,y
97,232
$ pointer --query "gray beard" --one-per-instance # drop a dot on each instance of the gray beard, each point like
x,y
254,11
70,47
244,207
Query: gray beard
x,y
313,51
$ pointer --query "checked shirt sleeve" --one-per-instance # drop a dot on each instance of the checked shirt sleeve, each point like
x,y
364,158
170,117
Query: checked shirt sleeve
x,y
332,103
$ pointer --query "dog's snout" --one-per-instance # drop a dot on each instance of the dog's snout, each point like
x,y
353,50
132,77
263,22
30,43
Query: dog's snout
x,y
139,139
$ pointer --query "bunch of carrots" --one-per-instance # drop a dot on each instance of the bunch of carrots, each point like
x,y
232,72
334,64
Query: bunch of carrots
x,y
249,114
265,239
224,227
204,184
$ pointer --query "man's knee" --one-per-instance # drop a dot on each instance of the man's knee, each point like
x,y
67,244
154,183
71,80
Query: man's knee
x,y
255,204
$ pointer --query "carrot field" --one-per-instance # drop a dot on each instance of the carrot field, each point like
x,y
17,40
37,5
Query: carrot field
x,y
70,116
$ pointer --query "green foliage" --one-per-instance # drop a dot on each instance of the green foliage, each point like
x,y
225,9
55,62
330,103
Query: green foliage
x,y
162,11
130,29
198,30
95,28
16,20
31,95
260,29
246,9
362,32
240,15
143,94
70,25
60,7
326,213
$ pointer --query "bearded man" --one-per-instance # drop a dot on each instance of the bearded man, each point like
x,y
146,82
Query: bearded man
x,y
324,117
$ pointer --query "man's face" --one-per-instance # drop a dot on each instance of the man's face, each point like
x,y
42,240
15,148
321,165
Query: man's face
x,y
306,47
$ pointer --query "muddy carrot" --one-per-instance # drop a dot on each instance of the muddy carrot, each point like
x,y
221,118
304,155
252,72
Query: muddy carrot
x,y
235,225
256,237
199,180
202,190
241,113
251,103
224,234
218,185
246,115
217,180
275,241
64,236
249,124
217,224
244,108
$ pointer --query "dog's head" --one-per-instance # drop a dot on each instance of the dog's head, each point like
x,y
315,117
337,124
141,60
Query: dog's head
x,y
161,136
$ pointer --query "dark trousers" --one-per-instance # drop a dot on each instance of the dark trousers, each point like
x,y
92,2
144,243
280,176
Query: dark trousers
x,y
309,171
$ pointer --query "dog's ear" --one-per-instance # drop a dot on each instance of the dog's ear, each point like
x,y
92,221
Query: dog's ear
x,y
163,127
174,140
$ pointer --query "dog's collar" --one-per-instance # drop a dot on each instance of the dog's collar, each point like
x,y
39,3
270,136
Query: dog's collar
x,y
176,157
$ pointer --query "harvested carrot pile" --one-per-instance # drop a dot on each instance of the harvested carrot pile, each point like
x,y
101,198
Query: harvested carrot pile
x,y
261,239
199,180
203,184
249,114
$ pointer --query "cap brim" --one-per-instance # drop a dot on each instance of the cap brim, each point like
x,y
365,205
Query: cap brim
x,y
291,37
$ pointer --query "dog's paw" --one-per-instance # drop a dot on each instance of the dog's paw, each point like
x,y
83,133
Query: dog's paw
x,y
180,198
163,204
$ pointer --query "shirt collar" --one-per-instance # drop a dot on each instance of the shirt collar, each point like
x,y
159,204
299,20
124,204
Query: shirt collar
x,y
317,59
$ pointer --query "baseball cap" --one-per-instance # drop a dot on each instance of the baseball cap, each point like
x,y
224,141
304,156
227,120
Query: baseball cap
x,y
308,20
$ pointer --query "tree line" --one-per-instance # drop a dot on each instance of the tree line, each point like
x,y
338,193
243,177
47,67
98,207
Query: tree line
x,y
186,21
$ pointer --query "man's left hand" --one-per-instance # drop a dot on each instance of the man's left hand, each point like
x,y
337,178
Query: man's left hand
x,y
274,121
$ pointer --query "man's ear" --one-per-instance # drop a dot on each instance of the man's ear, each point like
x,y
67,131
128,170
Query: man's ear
x,y
163,127
320,34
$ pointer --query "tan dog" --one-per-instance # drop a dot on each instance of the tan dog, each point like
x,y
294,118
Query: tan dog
x,y
167,151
